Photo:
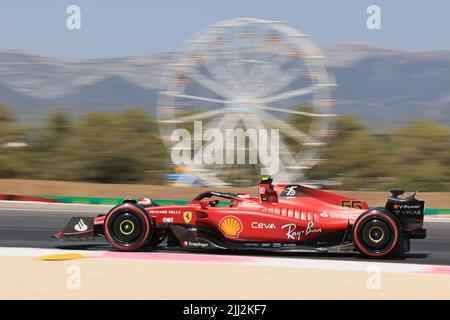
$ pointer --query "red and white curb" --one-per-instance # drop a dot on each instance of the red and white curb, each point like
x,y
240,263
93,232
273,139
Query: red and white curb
x,y
241,260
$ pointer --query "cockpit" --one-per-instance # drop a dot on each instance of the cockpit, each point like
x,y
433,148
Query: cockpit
x,y
232,198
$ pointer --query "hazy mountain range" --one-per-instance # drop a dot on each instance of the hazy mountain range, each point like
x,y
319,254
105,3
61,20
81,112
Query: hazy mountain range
x,y
384,87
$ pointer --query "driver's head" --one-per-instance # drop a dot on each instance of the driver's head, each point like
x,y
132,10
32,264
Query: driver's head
x,y
266,180
213,203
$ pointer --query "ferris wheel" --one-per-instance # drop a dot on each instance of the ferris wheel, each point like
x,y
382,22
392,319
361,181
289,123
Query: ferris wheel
x,y
251,73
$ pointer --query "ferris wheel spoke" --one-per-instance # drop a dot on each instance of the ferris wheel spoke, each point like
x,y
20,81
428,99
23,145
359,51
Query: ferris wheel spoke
x,y
187,96
275,66
239,64
220,70
228,120
196,116
237,70
217,69
286,154
258,74
290,94
283,77
302,113
253,62
207,48
214,86
290,131
287,166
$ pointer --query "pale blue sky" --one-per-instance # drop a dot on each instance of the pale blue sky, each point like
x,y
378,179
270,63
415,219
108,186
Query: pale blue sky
x,y
113,28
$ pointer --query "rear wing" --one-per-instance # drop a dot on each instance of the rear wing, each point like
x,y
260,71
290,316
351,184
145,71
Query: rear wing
x,y
409,210
298,191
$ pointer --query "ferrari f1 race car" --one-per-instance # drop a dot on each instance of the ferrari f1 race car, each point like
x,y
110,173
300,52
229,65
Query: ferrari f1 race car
x,y
282,218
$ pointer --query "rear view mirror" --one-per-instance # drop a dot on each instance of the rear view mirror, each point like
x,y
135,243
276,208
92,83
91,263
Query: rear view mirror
x,y
204,204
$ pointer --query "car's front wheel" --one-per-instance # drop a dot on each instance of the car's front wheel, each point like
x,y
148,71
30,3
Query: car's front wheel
x,y
376,233
128,227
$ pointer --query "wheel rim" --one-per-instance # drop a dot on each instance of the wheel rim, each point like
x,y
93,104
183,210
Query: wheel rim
x,y
126,228
376,235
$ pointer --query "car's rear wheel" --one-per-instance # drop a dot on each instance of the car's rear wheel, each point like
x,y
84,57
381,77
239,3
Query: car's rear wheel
x,y
128,227
376,234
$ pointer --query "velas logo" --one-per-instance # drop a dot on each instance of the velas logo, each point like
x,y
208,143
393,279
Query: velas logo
x,y
187,216
231,226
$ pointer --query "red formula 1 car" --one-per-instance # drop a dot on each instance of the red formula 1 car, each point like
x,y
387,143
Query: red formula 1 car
x,y
282,218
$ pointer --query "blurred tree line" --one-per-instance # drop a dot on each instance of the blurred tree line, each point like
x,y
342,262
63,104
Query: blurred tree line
x,y
416,157
125,147
102,147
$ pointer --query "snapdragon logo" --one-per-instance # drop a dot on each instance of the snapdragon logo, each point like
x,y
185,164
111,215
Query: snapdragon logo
x,y
228,147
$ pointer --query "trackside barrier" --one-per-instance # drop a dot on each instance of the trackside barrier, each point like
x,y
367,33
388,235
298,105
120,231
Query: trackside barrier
x,y
10,197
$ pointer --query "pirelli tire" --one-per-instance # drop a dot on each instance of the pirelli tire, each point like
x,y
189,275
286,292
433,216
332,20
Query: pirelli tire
x,y
377,233
128,227
157,237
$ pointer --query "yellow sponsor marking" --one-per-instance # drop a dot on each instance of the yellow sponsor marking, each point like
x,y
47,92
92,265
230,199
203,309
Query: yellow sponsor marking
x,y
62,256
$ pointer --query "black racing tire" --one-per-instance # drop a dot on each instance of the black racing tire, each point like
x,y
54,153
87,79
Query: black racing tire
x,y
377,234
128,227
157,237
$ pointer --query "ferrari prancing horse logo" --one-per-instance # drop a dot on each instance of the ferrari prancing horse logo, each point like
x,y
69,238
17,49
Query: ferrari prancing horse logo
x,y
187,216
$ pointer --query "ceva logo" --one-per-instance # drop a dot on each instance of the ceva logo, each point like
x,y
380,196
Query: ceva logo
x,y
261,225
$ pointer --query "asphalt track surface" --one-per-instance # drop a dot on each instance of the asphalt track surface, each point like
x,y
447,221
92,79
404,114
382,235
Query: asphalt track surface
x,y
32,224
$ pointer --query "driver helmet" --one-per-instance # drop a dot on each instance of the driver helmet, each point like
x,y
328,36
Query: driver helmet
x,y
266,180
145,202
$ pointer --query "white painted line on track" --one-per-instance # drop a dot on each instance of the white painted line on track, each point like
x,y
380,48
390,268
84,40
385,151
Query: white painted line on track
x,y
279,262
32,252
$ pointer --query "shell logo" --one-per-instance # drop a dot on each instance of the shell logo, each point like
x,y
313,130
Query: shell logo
x,y
230,226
